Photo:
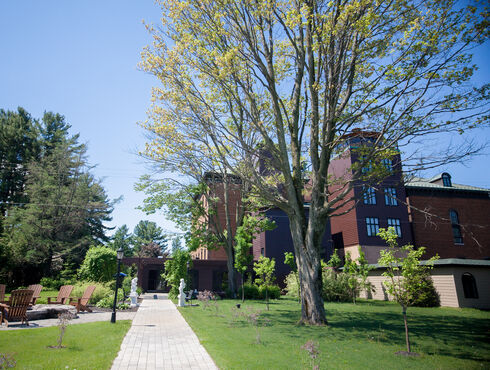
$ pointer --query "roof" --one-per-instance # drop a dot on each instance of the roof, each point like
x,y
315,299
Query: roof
x,y
421,183
449,262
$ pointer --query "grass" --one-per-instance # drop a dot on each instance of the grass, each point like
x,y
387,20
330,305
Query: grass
x,y
365,335
88,346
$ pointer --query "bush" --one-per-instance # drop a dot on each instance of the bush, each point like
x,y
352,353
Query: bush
x,y
273,291
252,291
99,264
291,281
108,301
336,286
54,284
101,291
426,295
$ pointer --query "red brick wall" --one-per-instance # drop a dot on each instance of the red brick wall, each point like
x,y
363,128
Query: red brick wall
x,y
435,232
347,224
234,203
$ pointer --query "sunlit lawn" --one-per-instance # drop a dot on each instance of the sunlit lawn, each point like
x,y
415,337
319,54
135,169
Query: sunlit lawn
x,y
365,335
87,346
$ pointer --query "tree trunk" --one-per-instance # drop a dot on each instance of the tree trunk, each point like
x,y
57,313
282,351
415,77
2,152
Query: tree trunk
x,y
406,328
243,290
231,272
309,271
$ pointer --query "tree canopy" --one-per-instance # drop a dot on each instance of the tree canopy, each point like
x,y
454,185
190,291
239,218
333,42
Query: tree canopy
x,y
60,209
276,90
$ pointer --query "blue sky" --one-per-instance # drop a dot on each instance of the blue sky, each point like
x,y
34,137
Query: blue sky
x,y
79,58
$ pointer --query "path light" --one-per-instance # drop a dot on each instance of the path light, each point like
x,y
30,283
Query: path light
x,y
120,255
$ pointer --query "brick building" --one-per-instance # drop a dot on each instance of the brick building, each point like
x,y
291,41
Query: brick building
x,y
450,220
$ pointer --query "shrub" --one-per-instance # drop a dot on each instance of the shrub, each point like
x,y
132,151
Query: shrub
x,y
273,291
292,288
336,286
108,301
99,264
101,291
427,295
251,291
54,283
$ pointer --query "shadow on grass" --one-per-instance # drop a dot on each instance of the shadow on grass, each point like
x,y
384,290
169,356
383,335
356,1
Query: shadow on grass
x,y
437,332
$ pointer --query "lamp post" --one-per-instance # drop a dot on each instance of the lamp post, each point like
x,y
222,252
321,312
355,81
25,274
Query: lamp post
x,y
120,255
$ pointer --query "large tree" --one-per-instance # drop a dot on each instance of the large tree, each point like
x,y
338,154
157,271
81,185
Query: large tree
x,y
148,233
277,88
64,210
19,145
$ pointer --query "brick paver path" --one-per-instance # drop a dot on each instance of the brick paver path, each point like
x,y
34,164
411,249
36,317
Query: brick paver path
x,y
160,338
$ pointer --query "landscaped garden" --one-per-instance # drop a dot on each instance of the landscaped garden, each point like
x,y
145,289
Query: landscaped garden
x,y
85,346
363,335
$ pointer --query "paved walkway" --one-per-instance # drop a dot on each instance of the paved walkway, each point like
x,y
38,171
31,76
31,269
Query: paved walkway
x,y
160,338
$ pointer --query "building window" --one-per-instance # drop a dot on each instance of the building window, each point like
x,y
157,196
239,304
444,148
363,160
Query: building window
x,y
390,197
369,195
388,164
469,286
372,226
395,223
368,166
446,180
262,252
457,236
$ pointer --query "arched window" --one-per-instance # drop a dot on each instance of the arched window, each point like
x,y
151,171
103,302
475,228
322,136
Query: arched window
x,y
446,179
469,286
457,236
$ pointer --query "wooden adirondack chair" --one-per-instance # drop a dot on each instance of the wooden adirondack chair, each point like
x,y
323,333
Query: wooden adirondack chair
x,y
82,303
17,307
36,288
63,295
2,292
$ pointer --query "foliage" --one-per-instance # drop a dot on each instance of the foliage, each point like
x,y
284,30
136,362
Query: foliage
x,y
407,278
99,264
272,91
108,301
54,284
62,211
102,290
336,286
176,269
122,238
252,291
358,271
292,285
335,260
264,270
245,234
148,233
19,145
84,347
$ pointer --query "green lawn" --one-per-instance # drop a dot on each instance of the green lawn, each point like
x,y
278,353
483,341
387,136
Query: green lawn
x,y
88,346
364,336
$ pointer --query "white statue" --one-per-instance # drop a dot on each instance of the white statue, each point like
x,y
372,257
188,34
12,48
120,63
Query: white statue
x,y
181,293
133,295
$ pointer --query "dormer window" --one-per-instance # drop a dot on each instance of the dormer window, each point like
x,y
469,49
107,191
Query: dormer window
x,y
446,179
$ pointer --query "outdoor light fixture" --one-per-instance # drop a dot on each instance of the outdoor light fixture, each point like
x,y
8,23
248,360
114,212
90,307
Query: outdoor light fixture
x,y
120,255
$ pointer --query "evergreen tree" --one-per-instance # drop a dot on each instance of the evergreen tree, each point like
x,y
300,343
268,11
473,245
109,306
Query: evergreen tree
x,y
146,232
122,238
64,213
